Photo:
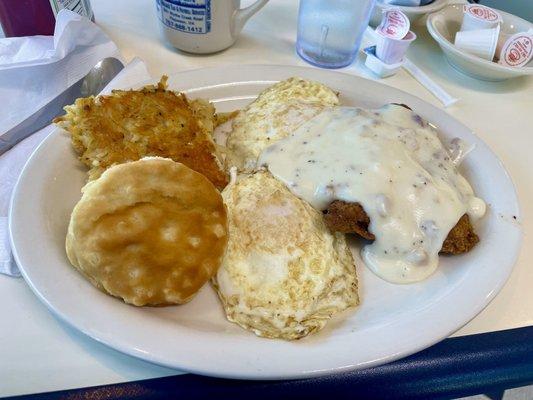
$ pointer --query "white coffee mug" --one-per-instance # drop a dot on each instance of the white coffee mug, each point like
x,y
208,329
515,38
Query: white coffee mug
x,y
203,26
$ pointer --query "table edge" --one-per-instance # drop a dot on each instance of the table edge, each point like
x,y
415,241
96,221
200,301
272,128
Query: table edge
x,y
455,367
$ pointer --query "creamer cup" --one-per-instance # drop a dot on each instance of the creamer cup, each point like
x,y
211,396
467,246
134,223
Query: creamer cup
x,y
394,24
391,51
481,42
517,50
476,16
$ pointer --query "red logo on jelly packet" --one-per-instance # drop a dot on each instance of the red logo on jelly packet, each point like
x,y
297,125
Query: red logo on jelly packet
x,y
481,12
517,51
394,24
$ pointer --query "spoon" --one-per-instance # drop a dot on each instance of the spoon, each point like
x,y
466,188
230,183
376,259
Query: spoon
x,y
91,84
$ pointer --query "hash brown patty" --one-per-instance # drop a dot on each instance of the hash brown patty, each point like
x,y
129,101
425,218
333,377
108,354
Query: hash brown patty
x,y
153,121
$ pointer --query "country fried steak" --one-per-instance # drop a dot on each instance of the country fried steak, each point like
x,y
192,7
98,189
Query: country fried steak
x,y
344,217
461,238
341,216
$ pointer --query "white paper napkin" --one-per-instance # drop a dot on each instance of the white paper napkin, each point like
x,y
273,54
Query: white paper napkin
x,y
33,72
35,69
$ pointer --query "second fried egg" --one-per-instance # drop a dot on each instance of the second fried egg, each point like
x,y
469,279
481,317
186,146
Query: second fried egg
x,y
284,273
275,113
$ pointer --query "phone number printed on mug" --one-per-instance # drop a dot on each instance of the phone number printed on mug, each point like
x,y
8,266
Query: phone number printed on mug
x,y
191,16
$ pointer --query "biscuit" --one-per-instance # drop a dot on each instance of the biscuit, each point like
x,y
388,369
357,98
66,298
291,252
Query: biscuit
x,y
150,232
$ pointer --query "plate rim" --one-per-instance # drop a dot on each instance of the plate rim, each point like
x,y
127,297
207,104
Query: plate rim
x,y
116,344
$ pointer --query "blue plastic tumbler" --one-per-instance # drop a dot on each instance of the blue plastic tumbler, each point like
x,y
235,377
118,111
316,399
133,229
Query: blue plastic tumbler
x,y
330,31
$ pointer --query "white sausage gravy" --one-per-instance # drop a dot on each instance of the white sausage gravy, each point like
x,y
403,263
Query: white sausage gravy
x,y
391,162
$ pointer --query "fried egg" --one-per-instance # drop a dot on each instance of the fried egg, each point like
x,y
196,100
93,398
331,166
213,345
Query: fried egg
x,y
277,111
284,274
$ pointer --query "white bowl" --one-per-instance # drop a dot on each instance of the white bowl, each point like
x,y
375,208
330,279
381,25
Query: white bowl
x,y
443,26
413,13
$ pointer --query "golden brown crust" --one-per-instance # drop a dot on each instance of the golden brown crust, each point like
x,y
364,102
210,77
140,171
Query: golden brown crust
x,y
461,238
151,232
344,217
131,124
341,216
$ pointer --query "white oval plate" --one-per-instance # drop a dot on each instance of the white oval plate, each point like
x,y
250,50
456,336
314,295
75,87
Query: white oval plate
x,y
393,321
